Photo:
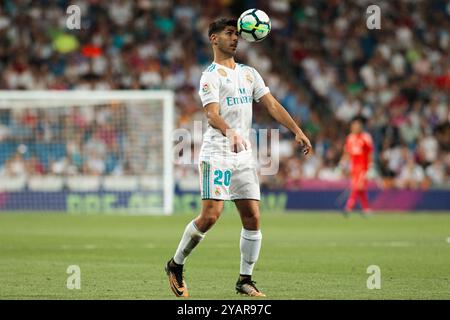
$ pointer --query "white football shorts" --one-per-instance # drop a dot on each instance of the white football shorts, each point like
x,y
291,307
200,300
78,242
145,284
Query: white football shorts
x,y
229,179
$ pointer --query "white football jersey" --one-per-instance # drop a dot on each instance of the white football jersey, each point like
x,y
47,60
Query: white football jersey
x,y
234,90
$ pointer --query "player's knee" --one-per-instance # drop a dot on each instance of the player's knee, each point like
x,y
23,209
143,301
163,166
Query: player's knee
x,y
211,220
252,216
205,222
251,222
209,216
211,209
255,215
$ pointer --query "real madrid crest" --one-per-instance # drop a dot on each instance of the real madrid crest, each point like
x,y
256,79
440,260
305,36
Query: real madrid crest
x,y
249,78
222,72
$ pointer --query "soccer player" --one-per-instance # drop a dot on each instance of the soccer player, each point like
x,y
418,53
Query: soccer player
x,y
226,166
358,149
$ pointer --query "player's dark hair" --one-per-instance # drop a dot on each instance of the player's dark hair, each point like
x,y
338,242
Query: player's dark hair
x,y
361,119
220,24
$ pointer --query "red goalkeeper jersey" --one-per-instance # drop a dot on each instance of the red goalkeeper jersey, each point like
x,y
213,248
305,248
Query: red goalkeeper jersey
x,y
359,146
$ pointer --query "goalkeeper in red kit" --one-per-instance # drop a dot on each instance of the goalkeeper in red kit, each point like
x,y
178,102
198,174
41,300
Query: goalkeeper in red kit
x,y
358,150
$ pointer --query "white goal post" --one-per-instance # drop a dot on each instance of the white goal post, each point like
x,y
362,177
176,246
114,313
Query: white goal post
x,y
90,151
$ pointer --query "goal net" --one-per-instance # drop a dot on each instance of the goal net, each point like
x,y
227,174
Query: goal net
x,y
86,151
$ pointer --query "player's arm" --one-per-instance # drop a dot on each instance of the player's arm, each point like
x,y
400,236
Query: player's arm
x,y
344,161
370,158
345,158
279,113
211,111
370,153
209,94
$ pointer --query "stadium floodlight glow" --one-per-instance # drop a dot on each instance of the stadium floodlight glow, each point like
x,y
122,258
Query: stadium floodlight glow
x,y
134,159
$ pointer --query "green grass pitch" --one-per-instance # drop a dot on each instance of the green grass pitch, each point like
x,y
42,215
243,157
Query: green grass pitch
x,y
303,256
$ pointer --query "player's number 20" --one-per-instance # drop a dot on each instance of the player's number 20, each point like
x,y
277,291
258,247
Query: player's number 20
x,y
219,175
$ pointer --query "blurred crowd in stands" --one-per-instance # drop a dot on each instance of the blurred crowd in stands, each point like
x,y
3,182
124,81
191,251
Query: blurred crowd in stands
x,y
320,61
65,141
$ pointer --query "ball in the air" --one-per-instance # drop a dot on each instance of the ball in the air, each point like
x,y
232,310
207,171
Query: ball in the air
x,y
254,25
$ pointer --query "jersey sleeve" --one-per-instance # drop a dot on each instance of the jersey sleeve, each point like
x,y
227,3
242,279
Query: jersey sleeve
x,y
209,88
260,89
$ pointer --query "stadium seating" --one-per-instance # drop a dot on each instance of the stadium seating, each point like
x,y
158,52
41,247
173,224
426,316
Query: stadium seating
x,y
317,61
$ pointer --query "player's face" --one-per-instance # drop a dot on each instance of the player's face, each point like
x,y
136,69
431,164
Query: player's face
x,y
228,40
356,127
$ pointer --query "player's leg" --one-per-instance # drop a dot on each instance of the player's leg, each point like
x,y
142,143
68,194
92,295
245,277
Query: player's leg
x,y
250,245
362,192
351,201
364,200
193,233
210,213
356,176
251,236
245,193
196,229
212,205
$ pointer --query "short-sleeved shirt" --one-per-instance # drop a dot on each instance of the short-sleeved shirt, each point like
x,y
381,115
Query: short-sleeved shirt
x,y
234,90
359,146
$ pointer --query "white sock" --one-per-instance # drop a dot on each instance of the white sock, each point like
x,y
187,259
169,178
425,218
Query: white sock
x,y
250,245
191,237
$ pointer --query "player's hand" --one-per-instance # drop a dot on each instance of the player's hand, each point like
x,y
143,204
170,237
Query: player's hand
x,y
303,140
343,165
237,144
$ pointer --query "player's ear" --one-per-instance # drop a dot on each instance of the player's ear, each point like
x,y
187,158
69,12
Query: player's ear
x,y
213,39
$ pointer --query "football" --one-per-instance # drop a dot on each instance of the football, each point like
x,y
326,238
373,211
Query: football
x,y
254,25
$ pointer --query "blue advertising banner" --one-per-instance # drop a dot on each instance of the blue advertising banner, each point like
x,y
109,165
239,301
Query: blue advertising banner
x,y
104,202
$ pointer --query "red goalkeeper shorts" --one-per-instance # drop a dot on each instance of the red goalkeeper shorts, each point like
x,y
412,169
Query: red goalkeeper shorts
x,y
359,180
